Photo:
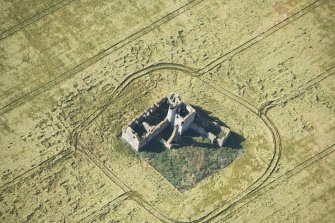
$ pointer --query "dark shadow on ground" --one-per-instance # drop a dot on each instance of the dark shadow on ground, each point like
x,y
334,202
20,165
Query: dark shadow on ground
x,y
234,141
154,146
204,112
194,159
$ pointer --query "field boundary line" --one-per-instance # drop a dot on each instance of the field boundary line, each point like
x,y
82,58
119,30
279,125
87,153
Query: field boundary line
x,y
47,11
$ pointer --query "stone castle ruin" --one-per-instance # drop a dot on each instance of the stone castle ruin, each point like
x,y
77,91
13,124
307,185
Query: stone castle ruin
x,y
167,120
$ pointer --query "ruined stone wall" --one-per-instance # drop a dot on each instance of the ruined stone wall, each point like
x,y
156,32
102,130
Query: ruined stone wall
x,y
131,137
156,130
171,114
184,123
139,132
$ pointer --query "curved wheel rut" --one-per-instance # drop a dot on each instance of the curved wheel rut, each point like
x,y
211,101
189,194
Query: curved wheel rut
x,y
192,72
252,190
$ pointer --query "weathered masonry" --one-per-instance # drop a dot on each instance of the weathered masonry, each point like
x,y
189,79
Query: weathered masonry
x,y
171,113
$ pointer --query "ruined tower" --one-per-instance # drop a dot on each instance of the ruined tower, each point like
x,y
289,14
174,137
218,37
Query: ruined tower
x,y
170,112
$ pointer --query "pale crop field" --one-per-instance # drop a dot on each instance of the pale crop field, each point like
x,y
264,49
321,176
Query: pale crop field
x,y
73,73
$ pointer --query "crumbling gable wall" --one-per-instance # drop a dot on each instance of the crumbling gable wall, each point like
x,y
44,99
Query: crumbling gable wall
x,y
168,112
